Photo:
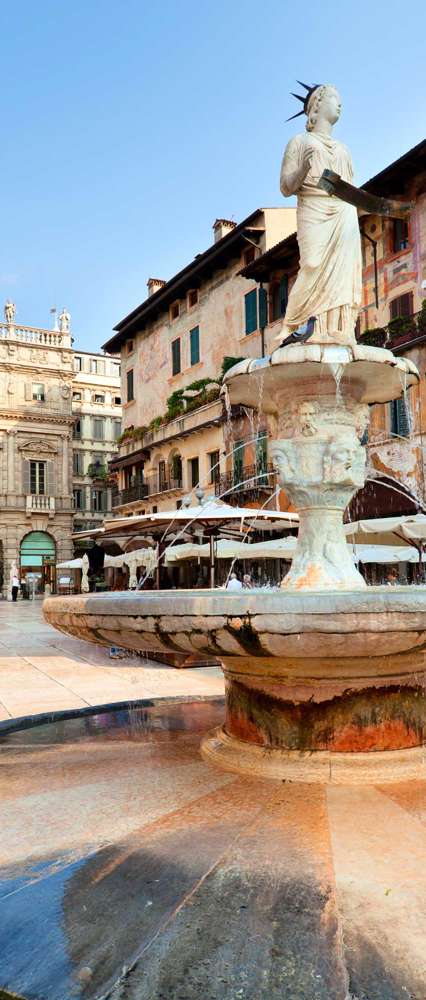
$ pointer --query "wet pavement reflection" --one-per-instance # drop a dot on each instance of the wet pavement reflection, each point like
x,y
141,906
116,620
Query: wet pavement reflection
x,y
133,869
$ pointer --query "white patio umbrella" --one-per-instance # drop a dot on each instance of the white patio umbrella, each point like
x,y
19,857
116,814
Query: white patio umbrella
x,y
385,554
225,548
390,530
274,548
210,515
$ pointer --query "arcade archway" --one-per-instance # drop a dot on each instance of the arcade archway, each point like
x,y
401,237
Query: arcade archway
x,y
38,562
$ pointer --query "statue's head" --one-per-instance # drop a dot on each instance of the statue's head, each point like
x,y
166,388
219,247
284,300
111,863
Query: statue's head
x,y
324,102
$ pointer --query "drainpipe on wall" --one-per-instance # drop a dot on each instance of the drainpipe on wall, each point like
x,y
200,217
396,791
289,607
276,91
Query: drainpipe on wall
x,y
374,246
212,562
262,329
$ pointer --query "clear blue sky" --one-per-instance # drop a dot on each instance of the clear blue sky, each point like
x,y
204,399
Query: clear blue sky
x,y
128,127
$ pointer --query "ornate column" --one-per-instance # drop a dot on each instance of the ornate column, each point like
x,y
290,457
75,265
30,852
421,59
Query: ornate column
x,y
65,467
11,458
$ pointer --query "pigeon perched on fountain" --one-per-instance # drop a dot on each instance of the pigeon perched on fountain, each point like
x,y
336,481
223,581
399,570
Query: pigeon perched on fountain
x,y
302,334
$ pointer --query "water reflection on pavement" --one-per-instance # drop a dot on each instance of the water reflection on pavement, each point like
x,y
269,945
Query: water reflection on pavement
x,y
133,869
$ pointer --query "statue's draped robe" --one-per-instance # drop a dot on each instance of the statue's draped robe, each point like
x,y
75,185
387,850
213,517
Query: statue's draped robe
x,y
328,284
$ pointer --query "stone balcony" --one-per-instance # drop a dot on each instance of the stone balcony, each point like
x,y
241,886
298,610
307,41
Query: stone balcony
x,y
34,335
44,409
188,423
36,503
39,504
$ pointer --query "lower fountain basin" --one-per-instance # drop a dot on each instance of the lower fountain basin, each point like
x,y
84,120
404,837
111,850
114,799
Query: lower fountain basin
x,y
307,675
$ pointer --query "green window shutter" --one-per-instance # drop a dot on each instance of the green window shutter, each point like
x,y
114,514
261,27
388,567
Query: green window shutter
x,y
162,474
283,294
176,356
400,417
238,462
195,472
130,388
263,308
261,453
194,337
250,302
25,476
50,486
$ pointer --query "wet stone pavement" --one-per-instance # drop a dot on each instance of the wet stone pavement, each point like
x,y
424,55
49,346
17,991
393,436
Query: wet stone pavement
x,y
132,869
44,671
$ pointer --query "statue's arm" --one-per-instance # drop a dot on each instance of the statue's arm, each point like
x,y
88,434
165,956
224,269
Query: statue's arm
x,y
295,166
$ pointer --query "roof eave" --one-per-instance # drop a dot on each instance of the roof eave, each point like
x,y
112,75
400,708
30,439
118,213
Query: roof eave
x,y
260,268
126,326
408,159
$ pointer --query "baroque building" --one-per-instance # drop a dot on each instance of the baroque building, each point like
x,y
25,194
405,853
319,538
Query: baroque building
x,y
96,405
174,348
60,417
36,502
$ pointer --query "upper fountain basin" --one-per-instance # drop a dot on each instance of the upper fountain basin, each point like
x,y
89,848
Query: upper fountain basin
x,y
372,374
381,629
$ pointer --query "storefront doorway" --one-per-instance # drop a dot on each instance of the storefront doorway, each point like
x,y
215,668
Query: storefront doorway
x,y
38,563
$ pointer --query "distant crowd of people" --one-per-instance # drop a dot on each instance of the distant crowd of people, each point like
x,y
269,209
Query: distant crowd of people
x,y
234,583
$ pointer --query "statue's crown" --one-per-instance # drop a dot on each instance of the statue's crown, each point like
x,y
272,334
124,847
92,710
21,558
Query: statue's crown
x,y
305,99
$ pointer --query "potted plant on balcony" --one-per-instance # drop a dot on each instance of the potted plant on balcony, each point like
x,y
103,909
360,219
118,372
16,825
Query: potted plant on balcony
x,y
421,319
400,327
374,337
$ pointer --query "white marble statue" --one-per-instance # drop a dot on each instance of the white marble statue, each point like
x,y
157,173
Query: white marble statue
x,y
9,311
64,321
328,285
131,562
85,574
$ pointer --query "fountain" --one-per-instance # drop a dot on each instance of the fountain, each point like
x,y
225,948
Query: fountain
x,y
324,679
157,872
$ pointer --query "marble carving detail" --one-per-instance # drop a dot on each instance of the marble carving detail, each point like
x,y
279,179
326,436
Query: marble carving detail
x,y
320,464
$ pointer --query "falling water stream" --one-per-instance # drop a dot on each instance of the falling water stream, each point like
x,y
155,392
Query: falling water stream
x,y
337,370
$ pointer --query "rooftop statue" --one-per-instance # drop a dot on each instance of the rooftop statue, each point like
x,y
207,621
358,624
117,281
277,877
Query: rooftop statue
x,y
64,321
9,311
328,285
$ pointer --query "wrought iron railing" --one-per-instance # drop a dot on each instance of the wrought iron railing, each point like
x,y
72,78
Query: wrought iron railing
x,y
97,471
140,491
161,484
129,495
249,479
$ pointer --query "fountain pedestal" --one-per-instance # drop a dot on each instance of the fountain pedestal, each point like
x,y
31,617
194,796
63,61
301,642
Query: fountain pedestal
x,y
347,690
320,396
325,679
321,464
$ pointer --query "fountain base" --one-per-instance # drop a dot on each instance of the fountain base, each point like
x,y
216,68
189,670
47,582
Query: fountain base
x,y
320,766
314,681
